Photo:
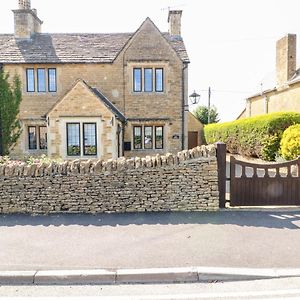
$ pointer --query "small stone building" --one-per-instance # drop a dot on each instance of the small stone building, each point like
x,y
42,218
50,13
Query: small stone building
x,y
98,95
281,94
195,131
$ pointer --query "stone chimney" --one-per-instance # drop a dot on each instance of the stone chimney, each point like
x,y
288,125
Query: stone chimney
x,y
27,22
174,20
285,59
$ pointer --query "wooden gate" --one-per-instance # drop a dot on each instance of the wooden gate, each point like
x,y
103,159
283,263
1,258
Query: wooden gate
x,y
264,184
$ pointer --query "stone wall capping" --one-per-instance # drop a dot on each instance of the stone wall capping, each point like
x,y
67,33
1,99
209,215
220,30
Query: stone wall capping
x,y
98,166
131,163
144,164
121,163
75,164
148,162
137,162
90,166
170,159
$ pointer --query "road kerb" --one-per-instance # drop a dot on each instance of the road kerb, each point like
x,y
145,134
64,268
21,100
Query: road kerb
x,y
75,277
155,275
152,275
17,277
234,274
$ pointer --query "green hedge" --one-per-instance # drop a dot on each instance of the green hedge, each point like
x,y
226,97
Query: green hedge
x,y
290,142
256,136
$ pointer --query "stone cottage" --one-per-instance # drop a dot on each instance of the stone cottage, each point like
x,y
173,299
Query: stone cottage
x,y
282,92
98,95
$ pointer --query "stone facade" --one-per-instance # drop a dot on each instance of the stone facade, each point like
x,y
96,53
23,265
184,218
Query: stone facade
x,y
108,66
187,181
283,95
284,100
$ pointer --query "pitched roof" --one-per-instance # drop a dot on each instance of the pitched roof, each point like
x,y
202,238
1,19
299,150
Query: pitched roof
x,y
268,83
119,115
109,105
72,47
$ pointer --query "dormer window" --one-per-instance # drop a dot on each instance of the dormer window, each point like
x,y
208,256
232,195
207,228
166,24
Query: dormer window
x,y
148,80
43,79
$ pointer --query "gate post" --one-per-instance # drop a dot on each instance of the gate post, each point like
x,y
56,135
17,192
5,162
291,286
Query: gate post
x,y
221,158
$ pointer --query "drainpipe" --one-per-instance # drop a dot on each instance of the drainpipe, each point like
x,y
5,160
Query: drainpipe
x,y
123,135
183,104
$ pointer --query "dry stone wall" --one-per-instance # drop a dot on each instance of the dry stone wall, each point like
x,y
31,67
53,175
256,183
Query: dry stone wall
x,y
187,181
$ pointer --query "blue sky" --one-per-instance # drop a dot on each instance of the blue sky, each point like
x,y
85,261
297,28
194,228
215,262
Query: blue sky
x,y
231,44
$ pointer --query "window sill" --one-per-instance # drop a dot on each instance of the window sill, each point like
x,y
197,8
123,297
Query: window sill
x,y
40,93
81,157
149,93
146,150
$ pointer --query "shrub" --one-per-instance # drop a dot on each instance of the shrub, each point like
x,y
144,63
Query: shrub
x,y
4,160
42,159
290,142
256,136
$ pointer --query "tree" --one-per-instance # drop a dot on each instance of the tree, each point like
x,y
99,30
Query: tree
x,y
10,99
201,113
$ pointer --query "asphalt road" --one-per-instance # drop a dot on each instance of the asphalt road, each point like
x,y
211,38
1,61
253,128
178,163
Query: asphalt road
x,y
215,239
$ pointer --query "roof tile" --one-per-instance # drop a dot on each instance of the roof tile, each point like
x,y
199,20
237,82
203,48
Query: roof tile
x,y
71,48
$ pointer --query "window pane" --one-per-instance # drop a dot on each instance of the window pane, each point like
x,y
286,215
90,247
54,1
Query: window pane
x,y
148,142
32,145
148,80
137,80
159,79
41,80
30,80
73,139
137,137
52,80
43,137
159,137
89,139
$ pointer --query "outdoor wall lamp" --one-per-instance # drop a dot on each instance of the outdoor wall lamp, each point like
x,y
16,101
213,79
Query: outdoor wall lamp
x,y
194,98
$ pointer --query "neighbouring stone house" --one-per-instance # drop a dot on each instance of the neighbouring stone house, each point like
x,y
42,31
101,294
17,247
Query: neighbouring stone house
x,y
283,92
98,95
